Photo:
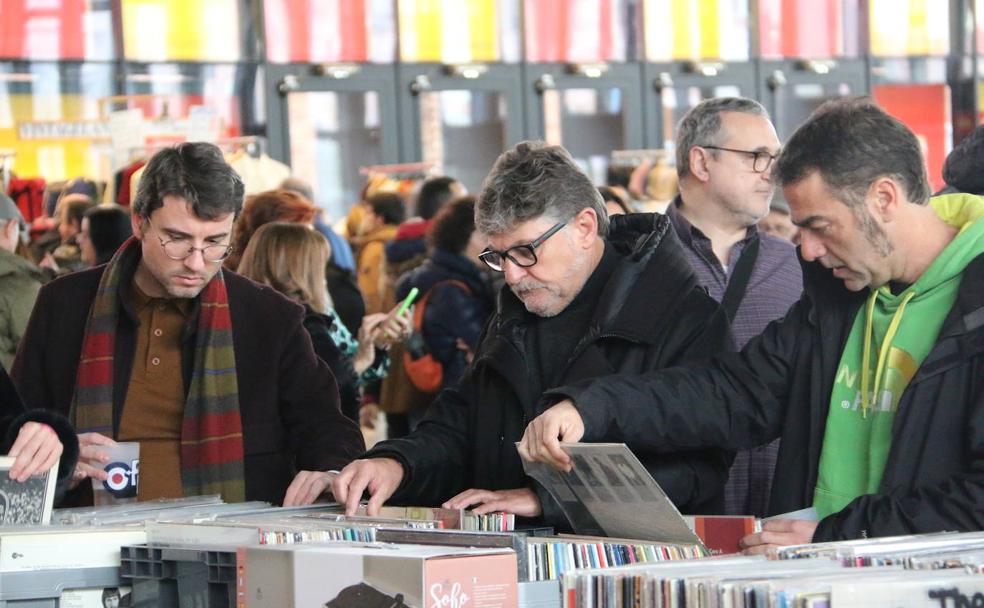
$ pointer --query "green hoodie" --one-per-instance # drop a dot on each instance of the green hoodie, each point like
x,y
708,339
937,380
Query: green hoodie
x,y
890,338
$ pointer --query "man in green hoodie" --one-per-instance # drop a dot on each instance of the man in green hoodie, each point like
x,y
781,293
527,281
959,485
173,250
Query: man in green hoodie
x,y
874,379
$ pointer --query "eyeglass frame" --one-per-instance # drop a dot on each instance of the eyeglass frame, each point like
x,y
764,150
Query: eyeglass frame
x,y
191,248
756,154
531,247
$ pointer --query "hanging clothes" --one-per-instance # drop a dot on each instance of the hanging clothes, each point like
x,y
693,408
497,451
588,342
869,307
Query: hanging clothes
x,y
259,173
28,194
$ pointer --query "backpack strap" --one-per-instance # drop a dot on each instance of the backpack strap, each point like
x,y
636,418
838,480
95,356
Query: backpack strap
x,y
418,311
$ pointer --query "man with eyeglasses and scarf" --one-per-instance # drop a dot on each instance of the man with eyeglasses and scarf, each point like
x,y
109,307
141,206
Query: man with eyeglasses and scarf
x,y
212,374
585,296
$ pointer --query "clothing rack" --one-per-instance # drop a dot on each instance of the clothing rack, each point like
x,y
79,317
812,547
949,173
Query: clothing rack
x,y
403,170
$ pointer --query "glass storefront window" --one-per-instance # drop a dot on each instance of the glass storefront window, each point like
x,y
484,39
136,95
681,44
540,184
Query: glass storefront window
x,y
678,101
333,135
56,29
463,132
808,29
459,31
795,103
184,30
332,32
901,28
590,123
696,29
50,117
583,31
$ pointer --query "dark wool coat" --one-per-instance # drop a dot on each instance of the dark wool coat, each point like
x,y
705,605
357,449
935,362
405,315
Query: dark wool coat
x,y
288,398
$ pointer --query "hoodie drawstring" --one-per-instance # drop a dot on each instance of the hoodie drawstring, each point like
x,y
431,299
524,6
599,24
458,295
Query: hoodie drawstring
x,y
868,399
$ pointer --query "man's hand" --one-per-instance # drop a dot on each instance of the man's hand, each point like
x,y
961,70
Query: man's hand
x,y
381,476
521,501
91,458
307,487
541,441
36,449
778,533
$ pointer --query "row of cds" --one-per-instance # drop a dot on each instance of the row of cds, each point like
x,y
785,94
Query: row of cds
x,y
922,570
549,558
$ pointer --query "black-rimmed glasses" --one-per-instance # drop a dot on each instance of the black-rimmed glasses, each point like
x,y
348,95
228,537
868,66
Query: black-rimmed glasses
x,y
523,256
182,249
761,160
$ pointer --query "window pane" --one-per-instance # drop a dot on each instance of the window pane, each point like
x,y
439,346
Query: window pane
x,y
459,31
56,29
589,123
313,31
333,135
696,29
463,132
49,114
581,31
183,30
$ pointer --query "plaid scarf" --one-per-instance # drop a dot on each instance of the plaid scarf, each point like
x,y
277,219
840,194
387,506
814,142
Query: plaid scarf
x,y
211,431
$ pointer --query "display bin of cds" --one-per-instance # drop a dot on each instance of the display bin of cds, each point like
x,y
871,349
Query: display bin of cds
x,y
180,576
46,588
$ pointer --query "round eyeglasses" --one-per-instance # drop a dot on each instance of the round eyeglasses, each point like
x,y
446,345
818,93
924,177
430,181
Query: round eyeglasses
x,y
182,249
523,256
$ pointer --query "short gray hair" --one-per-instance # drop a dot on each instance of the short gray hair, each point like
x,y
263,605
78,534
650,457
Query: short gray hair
x,y
702,124
531,180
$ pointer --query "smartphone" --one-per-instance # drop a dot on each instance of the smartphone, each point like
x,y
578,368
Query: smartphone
x,y
407,301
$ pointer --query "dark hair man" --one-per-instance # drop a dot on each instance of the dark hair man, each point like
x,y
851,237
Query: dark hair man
x,y
583,298
214,375
725,152
873,379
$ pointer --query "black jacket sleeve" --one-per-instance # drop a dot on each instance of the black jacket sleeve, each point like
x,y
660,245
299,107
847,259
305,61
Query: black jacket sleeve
x,y
13,418
435,456
734,401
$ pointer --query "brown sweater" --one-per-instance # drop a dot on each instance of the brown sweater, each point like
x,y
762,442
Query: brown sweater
x,y
154,405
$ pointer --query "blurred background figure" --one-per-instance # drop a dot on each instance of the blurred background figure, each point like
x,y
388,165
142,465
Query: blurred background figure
x,y
777,222
20,281
291,258
384,214
963,170
457,288
340,269
64,256
104,228
614,202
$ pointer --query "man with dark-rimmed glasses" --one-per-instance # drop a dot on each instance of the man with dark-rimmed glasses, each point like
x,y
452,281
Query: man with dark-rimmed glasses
x,y
212,374
725,152
583,298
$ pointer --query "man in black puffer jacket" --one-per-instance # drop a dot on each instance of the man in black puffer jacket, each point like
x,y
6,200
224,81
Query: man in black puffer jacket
x,y
582,301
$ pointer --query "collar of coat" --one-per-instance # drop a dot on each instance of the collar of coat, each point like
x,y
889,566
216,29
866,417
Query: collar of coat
x,y
647,286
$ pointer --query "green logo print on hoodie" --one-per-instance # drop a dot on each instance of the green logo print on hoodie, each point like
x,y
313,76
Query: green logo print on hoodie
x,y
890,338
